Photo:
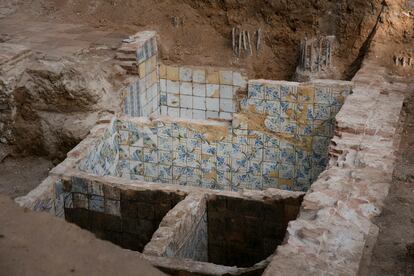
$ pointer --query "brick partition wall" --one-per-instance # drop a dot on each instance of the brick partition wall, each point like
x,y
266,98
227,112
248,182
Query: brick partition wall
x,y
183,231
242,232
126,217
224,229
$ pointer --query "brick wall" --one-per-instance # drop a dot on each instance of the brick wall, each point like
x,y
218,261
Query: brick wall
x,y
242,232
183,231
123,216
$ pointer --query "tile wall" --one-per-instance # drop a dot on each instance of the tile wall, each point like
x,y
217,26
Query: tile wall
x,y
142,97
279,140
200,92
276,136
300,117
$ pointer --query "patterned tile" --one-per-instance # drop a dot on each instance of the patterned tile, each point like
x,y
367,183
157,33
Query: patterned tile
x,y
287,148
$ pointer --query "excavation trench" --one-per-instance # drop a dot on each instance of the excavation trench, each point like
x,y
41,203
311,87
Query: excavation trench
x,y
204,168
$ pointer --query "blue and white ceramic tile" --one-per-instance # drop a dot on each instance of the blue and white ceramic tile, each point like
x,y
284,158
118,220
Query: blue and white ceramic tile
x,y
256,91
273,123
321,112
165,172
150,155
151,170
272,92
165,143
209,148
288,110
165,157
136,168
286,171
320,160
224,149
256,183
303,173
305,130
287,156
124,152
268,182
255,168
322,95
270,170
239,154
96,203
136,154
303,157
273,108
271,154
256,138
288,127
288,93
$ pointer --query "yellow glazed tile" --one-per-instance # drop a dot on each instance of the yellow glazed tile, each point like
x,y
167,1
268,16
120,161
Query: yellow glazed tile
x,y
141,70
163,71
306,94
173,73
153,61
287,182
213,77
226,77
153,77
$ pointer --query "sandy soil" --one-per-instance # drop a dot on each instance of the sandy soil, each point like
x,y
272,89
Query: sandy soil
x,y
20,175
39,244
203,34
396,222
